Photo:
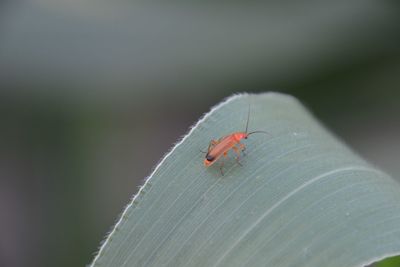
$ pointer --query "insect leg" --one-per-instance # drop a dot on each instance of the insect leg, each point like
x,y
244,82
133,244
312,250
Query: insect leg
x,y
221,167
237,151
242,148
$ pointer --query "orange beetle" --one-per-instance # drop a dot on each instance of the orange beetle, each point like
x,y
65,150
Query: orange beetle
x,y
221,147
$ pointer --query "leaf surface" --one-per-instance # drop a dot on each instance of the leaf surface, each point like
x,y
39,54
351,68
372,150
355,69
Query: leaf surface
x,y
300,198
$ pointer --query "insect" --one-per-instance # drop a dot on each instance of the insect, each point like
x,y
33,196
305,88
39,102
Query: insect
x,y
218,148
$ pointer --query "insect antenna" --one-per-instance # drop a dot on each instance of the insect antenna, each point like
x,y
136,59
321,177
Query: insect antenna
x,y
248,117
247,126
259,132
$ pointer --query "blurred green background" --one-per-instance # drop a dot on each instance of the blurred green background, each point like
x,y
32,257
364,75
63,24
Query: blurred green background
x,y
94,93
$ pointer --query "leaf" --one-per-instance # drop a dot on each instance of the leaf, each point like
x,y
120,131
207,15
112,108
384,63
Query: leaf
x,y
300,198
389,262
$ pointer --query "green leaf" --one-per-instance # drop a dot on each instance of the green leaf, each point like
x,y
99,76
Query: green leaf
x,y
300,198
390,262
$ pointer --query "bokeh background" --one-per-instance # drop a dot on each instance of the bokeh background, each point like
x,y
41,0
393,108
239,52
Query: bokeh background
x,y
94,92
